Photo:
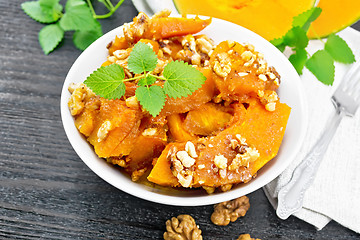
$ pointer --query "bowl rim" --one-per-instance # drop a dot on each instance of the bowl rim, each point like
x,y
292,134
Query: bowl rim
x,y
144,192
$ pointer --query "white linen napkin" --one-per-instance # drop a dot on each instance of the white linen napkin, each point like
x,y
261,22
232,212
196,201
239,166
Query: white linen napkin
x,y
335,193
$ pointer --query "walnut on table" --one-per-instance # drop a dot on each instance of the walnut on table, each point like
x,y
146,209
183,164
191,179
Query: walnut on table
x,y
246,237
230,211
182,228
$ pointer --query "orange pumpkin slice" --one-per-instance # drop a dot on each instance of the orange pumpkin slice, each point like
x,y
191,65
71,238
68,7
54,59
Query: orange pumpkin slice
x,y
262,130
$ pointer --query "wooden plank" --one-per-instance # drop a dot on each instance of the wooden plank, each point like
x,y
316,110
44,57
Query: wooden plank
x,y
47,192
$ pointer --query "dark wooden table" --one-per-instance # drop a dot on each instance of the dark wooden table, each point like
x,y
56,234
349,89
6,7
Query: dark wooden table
x,y
47,192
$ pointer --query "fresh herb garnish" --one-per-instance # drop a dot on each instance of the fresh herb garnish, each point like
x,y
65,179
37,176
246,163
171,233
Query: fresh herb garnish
x,y
180,79
79,16
321,63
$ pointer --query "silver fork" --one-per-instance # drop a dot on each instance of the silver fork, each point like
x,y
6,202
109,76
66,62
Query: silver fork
x,y
346,100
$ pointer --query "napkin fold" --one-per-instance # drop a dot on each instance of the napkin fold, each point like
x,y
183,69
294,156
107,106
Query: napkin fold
x,y
335,193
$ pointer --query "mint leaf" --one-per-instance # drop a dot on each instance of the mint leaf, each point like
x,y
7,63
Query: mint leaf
x,y
296,37
51,7
107,82
33,10
181,79
304,19
279,43
321,64
148,80
142,58
83,39
339,49
77,17
151,98
50,36
298,60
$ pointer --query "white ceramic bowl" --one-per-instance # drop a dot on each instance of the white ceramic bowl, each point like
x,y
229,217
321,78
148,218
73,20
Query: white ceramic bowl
x,y
290,91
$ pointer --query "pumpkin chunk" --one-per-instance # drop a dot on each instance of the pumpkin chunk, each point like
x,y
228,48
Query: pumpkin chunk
x,y
259,136
207,120
195,100
170,27
265,130
161,173
115,129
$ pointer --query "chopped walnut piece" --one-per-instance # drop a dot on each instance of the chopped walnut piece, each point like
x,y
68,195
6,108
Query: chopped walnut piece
x,y
132,102
209,190
162,14
230,211
104,130
246,237
270,106
226,187
182,228
136,175
220,161
190,149
185,159
79,92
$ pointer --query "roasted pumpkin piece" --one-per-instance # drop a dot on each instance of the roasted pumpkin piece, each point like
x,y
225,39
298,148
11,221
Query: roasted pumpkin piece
x,y
232,156
153,44
177,130
117,44
265,130
84,122
161,28
146,148
233,76
106,63
115,129
208,119
161,173
198,98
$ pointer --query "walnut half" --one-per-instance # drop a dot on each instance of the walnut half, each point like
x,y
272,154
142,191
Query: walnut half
x,y
230,211
246,237
182,228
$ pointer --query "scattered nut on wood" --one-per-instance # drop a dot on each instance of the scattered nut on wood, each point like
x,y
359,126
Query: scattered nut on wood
x,y
246,237
182,227
230,211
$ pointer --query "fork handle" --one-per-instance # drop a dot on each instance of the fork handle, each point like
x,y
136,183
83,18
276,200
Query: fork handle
x,y
290,197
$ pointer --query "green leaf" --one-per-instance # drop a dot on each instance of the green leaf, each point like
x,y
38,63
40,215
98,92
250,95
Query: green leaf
x,y
33,10
321,64
50,36
279,43
148,80
151,98
77,17
142,58
181,79
107,82
304,19
298,60
83,39
339,49
296,37
51,7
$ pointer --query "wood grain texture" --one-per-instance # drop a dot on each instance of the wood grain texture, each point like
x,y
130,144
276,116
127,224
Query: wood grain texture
x,y
47,192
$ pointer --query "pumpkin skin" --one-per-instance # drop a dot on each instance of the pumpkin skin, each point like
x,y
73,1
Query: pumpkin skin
x,y
269,19
335,16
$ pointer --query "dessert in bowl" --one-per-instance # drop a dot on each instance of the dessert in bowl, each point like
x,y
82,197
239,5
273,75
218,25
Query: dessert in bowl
x,y
219,134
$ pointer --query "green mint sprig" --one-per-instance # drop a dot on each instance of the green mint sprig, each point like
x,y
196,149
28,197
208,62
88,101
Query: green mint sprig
x,y
180,79
79,16
321,63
